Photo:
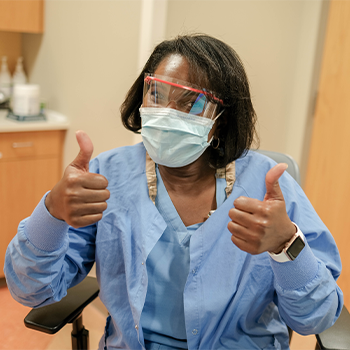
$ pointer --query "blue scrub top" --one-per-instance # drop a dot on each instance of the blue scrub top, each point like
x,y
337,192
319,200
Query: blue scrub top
x,y
168,263
232,299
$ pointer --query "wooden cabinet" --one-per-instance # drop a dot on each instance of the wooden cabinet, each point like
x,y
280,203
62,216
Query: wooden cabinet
x,y
22,16
30,165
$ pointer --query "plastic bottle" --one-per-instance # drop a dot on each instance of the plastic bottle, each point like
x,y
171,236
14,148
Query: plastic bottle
x,y
5,78
19,77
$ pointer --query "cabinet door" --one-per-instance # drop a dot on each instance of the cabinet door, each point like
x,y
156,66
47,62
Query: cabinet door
x,y
22,16
22,184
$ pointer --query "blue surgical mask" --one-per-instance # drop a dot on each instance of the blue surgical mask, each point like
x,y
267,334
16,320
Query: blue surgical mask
x,y
173,138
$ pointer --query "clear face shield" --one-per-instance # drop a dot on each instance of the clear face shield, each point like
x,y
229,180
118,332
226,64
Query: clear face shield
x,y
165,92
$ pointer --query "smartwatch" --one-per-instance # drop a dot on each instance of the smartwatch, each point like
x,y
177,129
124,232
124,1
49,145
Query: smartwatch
x,y
292,248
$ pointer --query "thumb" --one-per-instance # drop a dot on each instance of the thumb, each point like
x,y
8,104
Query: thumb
x,y
86,148
273,190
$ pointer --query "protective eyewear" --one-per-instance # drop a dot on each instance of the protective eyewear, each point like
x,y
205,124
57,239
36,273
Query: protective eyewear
x,y
160,91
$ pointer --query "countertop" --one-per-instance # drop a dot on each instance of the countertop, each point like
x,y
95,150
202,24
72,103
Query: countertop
x,y
54,121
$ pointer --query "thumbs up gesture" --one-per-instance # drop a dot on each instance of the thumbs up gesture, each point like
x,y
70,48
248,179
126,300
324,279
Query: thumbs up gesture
x,y
259,226
79,198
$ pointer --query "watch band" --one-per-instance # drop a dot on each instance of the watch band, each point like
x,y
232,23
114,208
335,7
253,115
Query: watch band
x,y
292,248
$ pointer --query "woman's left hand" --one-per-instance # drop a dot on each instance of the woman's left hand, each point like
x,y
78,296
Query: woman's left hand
x,y
259,226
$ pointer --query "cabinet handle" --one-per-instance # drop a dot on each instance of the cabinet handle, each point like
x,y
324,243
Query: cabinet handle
x,y
22,144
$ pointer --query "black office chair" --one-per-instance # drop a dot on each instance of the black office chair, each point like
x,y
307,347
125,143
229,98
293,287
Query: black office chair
x,y
50,319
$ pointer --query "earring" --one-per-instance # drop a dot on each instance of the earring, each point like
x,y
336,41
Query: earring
x,y
218,143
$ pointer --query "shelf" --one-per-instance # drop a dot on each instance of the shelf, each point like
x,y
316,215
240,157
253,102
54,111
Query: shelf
x,y
55,121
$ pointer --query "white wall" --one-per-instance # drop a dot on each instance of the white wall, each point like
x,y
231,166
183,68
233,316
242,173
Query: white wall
x,y
92,51
85,63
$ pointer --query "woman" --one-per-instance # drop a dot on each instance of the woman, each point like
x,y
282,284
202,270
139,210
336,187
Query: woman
x,y
168,273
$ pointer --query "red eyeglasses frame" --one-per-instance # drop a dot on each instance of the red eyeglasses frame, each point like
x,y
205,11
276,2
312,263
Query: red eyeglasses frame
x,y
148,78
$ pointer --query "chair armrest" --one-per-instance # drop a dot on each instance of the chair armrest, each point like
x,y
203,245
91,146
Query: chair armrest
x,y
336,337
51,318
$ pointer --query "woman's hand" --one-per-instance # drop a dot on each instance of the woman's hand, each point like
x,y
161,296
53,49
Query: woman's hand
x,y
79,198
259,226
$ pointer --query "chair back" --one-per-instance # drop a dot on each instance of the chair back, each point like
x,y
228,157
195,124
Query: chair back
x,y
293,168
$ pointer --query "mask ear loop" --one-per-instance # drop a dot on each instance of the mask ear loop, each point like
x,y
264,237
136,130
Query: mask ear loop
x,y
212,138
219,115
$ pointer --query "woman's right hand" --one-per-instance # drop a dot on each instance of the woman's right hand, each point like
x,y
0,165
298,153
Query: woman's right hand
x,y
79,198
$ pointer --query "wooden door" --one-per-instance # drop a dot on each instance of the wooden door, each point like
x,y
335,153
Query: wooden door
x,y
328,175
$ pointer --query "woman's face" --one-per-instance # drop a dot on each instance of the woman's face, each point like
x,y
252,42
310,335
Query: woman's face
x,y
177,67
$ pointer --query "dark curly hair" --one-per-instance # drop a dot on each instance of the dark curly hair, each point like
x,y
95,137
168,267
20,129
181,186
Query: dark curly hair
x,y
215,66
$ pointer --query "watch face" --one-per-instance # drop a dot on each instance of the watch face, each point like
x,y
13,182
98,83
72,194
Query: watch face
x,y
295,248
